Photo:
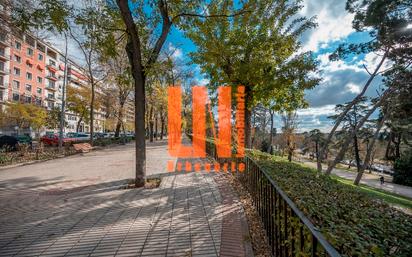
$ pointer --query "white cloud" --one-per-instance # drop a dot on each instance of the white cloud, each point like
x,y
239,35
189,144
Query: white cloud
x,y
372,60
353,88
331,66
334,23
317,111
175,52
204,82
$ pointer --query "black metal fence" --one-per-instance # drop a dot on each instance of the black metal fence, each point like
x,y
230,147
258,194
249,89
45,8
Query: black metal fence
x,y
289,232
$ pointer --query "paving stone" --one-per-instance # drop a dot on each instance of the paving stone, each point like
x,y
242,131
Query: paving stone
x,y
73,207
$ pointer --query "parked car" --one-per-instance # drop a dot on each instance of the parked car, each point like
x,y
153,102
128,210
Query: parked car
x,y
53,139
78,136
24,139
8,143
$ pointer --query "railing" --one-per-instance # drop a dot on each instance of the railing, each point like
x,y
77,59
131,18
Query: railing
x,y
289,231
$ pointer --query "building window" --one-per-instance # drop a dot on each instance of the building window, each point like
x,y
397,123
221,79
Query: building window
x,y
18,45
50,105
29,76
40,57
51,84
38,101
39,90
39,80
16,71
16,97
27,99
52,63
17,58
28,87
16,84
41,48
29,52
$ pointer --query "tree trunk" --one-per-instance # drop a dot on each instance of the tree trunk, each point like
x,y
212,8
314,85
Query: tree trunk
x,y
162,127
350,105
317,150
369,152
119,120
388,147
356,148
290,150
151,123
78,124
156,127
92,107
397,142
133,49
271,132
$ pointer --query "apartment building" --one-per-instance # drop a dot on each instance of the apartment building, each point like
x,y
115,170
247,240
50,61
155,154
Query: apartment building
x,y
76,78
32,72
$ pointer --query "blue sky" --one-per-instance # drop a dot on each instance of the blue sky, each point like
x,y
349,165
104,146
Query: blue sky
x,y
342,80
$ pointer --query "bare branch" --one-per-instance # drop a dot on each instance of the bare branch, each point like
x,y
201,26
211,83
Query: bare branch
x,y
364,66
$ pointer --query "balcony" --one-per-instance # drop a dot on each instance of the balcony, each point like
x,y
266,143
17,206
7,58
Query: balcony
x,y
3,40
53,88
52,77
4,56
4,71
3,84
52,67
51,98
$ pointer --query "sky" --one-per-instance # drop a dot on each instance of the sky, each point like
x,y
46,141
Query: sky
x,y
341,80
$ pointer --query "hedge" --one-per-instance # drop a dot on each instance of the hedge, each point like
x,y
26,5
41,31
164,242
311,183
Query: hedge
x,y
403,170
353,222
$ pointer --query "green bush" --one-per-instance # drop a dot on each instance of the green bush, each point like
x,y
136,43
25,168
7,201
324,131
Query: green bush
x,y
353,222
403,170
110,141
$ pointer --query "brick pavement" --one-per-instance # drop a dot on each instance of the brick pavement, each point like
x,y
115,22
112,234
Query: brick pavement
x,y
56,209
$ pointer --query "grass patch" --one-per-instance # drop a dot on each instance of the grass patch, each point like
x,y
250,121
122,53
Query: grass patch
x,y
389,197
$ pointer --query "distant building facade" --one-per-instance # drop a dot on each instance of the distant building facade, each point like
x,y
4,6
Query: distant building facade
x,y
32,72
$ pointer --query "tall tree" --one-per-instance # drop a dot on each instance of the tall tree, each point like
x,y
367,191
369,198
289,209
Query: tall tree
x,y
26,116
386,21
77,102
140,20
349,122
53,118
316,137
289,126
256,50
371,144
120,82
82,22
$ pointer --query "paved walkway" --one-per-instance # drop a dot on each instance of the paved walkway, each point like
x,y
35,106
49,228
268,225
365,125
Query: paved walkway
x,y
370,180
75,207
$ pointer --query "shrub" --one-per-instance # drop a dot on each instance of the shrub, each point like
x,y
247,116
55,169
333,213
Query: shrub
x,y
353,222
403,170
